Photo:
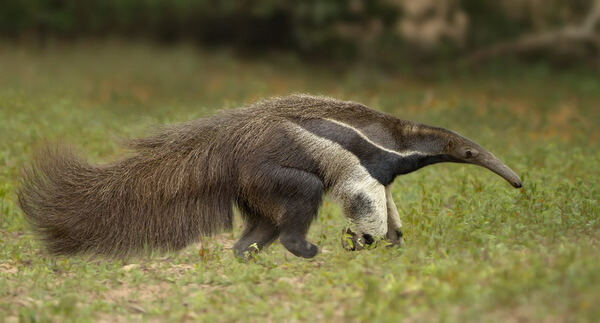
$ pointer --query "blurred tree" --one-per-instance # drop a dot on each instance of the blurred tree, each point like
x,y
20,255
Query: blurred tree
x,y
378,30
426,22
556,27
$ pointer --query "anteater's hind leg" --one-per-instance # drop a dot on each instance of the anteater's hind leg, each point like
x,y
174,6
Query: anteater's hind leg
x,y
301,200
295,224
291,198
259,233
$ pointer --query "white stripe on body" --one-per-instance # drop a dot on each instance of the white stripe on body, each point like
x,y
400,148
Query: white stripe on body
x,y
367,139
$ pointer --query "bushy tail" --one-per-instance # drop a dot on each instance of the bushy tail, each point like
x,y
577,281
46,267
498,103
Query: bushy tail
x,y
143,202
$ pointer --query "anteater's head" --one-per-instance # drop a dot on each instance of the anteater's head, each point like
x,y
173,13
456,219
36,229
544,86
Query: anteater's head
x,y
463,150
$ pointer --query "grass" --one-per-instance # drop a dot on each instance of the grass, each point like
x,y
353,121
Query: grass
x,y
476,249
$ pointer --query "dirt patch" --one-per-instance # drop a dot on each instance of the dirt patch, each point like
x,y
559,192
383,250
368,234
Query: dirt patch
x,y
224,239
127,293
7,268
297,282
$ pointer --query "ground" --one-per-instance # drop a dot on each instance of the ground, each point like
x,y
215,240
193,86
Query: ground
x,y
476,248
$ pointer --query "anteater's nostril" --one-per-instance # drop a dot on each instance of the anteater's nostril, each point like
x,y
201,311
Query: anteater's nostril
x,y
518,184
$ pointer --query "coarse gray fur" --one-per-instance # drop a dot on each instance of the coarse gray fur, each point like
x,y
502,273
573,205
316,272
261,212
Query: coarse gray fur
x,y
272,160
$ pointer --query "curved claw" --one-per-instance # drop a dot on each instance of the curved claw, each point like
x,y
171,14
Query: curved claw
x,y
394,237
352,241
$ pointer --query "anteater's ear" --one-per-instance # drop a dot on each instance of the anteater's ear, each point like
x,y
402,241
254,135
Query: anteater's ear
x,y
450,146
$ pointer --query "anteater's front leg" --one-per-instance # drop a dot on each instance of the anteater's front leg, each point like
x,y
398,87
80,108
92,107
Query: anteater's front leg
x,y
394,233
364,202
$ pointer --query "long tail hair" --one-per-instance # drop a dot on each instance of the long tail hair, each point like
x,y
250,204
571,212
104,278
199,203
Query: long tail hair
x,y
165,195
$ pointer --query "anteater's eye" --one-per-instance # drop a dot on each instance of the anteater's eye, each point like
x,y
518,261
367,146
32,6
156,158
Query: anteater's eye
x,y
470,153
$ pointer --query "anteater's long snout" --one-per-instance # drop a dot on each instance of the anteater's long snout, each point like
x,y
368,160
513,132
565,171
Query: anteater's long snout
x,y
495,165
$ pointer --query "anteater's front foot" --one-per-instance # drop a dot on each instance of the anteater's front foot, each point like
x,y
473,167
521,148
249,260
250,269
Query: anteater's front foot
x,y
299,246
394,238
352,241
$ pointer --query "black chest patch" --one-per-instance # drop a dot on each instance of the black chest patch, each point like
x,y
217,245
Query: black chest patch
x,y
381,165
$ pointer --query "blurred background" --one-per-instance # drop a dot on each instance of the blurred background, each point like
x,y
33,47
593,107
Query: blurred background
x,y
531,65
392,33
